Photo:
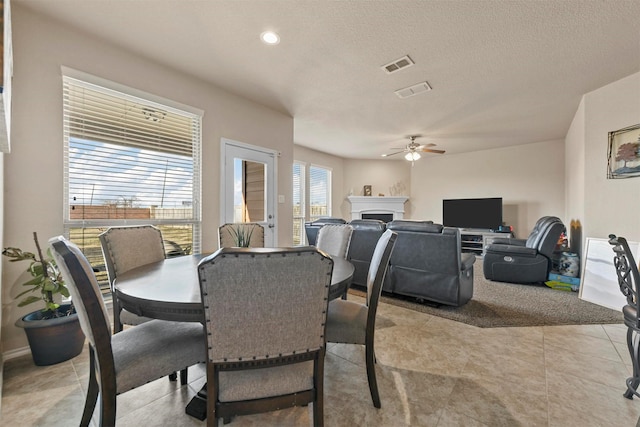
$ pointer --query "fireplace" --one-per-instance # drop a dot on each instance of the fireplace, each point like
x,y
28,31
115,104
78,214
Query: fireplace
x,y
386,217
377,207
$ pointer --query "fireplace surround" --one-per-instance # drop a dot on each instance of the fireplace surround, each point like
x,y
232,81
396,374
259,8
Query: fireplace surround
x,y
370,205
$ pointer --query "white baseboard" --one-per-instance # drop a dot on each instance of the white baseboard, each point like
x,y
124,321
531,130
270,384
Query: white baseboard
x,y
12,354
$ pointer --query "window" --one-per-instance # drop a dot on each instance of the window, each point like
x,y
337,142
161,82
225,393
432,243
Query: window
x,y
129,161
298,203
311,197
319,192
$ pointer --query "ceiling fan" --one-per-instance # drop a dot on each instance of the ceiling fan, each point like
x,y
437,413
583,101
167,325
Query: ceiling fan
x,y
413,149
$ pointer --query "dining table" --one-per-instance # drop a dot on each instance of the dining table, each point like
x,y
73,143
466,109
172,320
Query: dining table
x,y
170,289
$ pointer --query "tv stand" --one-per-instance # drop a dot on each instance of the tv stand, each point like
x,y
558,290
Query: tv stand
x,y
475,240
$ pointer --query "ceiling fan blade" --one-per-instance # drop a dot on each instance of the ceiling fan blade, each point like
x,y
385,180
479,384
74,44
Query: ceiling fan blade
x,y
431,144
392,154
430,150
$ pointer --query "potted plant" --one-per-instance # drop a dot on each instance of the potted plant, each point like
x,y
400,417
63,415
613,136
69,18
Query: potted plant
x,y
241,234
53,332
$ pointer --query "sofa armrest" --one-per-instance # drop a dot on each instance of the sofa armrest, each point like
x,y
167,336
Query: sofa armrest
x,y
508,241
512,250
467,260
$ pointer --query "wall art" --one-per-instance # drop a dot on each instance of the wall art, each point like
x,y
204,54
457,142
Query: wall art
x,y
624,153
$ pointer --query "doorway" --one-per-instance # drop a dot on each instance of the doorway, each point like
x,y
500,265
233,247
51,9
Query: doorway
x,y
249,186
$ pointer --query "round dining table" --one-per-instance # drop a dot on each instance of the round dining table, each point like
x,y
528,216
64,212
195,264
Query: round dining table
x,y
170,289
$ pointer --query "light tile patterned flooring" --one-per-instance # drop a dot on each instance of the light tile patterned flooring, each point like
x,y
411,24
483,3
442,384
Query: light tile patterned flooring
x,y
431,372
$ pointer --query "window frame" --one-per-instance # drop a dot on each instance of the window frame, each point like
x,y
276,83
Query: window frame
x,y
74,77
307,216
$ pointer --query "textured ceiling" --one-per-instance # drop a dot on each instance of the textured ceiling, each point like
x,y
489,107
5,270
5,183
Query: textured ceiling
x,y
503,72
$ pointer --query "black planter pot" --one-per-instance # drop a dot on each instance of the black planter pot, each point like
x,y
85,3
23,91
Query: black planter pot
x,y
52,340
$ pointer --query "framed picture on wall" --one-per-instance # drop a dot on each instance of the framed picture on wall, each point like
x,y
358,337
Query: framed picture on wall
x,y
367,190
624,153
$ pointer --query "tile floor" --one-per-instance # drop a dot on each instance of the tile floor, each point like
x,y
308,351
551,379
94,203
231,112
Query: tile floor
x,y
431,372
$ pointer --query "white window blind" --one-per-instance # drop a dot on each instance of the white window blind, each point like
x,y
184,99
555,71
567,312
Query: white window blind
x,y
319,192
298,198
129,161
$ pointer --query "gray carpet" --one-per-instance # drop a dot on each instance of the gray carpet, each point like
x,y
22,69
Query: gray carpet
x,y
496,304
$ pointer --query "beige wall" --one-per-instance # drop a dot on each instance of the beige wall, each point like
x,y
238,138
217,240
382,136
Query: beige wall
x,y
33,178
574,159
610,205
380,174
529,178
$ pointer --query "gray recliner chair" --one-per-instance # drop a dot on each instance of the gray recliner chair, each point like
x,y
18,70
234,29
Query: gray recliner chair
x,y
524,261
366,233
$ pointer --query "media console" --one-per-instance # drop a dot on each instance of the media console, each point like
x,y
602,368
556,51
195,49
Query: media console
x,y
475,240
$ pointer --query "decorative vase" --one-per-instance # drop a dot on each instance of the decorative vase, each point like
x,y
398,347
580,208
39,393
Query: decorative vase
x,y
569,264
52,340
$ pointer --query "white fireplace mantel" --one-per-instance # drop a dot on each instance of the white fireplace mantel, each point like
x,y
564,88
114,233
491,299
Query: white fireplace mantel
x,y
377,205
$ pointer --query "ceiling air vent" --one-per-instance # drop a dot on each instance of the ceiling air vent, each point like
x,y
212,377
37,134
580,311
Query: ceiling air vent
x,y
397,65
413,90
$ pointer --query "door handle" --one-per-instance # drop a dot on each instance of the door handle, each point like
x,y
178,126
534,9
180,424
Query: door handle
x,y
271,225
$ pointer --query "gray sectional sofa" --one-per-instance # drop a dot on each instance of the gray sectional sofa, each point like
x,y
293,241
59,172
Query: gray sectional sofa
x,y
427,262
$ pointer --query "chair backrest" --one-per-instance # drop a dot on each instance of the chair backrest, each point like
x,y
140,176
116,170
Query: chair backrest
x,y
311,228
627,271
545,234
125,248
85,292
264,303
242,234
334,239
378,269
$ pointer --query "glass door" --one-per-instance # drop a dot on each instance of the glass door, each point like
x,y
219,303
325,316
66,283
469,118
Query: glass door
x,y
248,187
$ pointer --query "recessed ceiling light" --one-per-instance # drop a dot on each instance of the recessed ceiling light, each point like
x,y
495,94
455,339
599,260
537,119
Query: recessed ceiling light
x,y
269,37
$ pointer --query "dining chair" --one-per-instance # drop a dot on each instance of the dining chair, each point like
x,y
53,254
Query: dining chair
x,y
265,313
629,280
128,359
125,248
241,234
334,239
350,322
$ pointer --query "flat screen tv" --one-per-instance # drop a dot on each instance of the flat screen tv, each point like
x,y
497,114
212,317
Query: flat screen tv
x,y
483,213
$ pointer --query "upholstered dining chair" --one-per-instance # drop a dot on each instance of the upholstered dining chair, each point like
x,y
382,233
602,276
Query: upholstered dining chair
x,y
128,359
265,313
629,280
350,322
334,239
241,234
125,248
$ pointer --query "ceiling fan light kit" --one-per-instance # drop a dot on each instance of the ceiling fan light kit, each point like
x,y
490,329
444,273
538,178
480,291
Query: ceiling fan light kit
x,y
413,149
412,156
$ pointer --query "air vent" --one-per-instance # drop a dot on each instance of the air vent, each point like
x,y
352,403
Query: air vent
x,y
413,90
397,65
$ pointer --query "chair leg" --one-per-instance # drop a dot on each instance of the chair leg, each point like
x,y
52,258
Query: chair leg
x,y
183,376
318,403
117,324
633,342
108,405
92,392
371,374
212,378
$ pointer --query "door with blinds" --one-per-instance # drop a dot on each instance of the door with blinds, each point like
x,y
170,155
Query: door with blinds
x,y
249,187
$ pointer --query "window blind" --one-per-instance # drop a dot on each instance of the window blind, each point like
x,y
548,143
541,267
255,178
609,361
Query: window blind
x,y
129,161
319,192
298,203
